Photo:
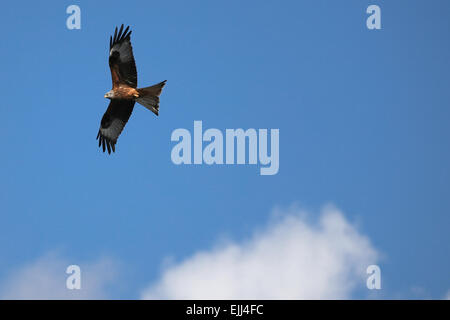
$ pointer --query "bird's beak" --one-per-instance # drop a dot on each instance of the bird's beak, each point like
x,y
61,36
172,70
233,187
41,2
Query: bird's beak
x,y
105,96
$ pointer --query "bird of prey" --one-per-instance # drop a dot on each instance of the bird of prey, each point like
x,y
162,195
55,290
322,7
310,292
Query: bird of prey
x,y
124,91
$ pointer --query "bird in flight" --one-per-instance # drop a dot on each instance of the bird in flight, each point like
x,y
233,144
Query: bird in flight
x,y
124,92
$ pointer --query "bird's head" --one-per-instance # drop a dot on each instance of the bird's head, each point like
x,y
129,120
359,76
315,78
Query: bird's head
x,y
109,94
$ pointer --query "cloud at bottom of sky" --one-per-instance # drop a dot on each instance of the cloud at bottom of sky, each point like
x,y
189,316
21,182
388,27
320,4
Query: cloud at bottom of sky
x,y
447,295
45,279
292,258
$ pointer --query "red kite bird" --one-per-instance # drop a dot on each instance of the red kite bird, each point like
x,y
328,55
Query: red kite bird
x,y
124,92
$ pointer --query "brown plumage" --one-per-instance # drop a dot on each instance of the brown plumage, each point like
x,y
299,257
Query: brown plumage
x,y
124,92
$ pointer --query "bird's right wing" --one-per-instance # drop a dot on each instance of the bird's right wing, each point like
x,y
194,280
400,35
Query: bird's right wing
x,y
113,122
121,59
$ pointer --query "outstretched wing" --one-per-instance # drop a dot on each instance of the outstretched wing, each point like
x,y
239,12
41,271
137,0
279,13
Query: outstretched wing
x,y
121,60
113,122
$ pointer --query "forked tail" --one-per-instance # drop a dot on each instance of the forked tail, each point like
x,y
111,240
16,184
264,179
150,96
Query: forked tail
x,y
149,96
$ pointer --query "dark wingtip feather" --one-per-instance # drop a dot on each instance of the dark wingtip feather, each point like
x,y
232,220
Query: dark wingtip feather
x,y
115,36
120,35
105,143
125,32
120,32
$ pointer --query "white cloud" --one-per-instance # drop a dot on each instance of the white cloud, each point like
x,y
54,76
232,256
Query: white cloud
x,y
447,296
46,279
292,258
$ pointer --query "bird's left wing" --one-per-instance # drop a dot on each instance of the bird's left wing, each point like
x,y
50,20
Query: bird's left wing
x,y
121,59
113,122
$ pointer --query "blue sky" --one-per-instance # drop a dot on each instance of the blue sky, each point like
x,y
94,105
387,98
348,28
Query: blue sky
x,y
363,118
